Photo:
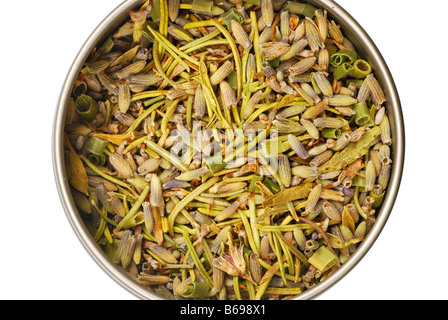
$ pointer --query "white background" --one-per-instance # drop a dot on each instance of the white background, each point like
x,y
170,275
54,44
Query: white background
x,y
41,257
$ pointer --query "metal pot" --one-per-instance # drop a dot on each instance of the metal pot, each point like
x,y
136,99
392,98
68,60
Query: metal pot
x,y
365,46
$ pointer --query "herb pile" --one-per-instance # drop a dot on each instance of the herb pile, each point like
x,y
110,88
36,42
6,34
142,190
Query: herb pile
x,y
228,149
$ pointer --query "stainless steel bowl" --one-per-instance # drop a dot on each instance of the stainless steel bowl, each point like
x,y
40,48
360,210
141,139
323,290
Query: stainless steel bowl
x,y
365,47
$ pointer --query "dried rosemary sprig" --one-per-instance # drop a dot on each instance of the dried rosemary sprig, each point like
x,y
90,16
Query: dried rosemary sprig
x,y
227,149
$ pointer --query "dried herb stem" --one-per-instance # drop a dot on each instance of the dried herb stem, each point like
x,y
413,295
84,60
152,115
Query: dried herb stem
x,y
134,210
194,255
166,155
158,65
190,197
236,56
293,249
104,175
145,114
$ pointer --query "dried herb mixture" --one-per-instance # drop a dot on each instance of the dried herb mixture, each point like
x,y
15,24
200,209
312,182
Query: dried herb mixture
x,y
228,149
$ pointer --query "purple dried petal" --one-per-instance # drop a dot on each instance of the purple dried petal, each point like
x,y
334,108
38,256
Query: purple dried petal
x,y
175,184
348,192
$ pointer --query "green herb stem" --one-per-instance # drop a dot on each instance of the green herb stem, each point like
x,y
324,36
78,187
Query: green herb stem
x,y
172,50
361,69
230,15
331,133
102,174
300,8
362,113
195,290
86,106
96,145
194,255
158,65
236,287
377,199
134,210
343,56
236,56
196,192
147,112
256,42
207,44
166,155
201,40
343,71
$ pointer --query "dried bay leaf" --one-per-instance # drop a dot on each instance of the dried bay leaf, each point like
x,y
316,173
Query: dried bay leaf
x,y
287,195
126,58
78,175
116,139
347,220
351,153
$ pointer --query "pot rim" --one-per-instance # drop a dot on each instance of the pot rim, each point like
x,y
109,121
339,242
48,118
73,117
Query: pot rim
x,y
121,277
